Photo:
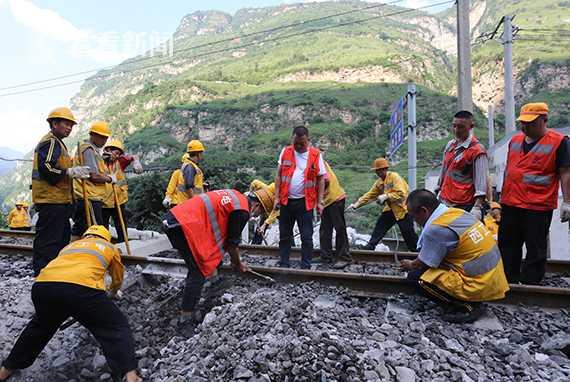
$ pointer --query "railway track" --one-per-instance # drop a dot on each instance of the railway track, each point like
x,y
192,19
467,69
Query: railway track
x,y
365,285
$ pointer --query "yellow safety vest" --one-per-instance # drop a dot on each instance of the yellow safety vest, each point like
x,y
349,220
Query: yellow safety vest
x,y
474,270
397,190
175,189
334,190
85,262
121,187
95,191
42,191
198,178
19,218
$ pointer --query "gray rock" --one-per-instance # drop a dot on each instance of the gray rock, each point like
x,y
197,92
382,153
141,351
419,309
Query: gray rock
x,y
453,344
99,362
60,361
105,376
370,375
227,298
404,374
241,372
556,342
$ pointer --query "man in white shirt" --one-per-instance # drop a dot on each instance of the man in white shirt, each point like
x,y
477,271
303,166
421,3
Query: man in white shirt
x,y
299,189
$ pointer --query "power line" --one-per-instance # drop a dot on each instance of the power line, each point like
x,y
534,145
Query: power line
x,y
228,39
279,38
14,160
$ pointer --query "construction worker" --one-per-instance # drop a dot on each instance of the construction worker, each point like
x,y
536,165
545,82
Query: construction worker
x,y
73,285
538,162
175,193
299,189
18,218
390,190
493,219
459,264
95,188
333,218
117,161
463,179
202,229
52,191
192,174
265,194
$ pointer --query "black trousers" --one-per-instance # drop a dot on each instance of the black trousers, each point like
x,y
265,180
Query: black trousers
x,y
79,222
437,295
295,211
54,302
194,278
109,213
52,233
387,221
521,226
333,218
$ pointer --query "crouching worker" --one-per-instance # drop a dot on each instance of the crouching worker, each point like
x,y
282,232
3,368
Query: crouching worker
x,y
202,229
73,285
459,264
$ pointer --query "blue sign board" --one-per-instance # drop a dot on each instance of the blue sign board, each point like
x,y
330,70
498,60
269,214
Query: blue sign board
x,y
397,131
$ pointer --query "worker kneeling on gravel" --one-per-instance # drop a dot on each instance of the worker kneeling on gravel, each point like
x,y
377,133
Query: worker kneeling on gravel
x,y
73,284
459,264
202,229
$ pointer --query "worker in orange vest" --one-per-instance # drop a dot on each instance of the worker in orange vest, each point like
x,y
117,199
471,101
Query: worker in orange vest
x,y
538,161
463,179
202,229
299,189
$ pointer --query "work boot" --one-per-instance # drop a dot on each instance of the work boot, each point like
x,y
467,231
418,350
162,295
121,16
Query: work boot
x,y
464,317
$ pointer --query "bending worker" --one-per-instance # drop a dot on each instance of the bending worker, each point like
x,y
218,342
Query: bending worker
x,y
463,179
52,192
18,218
459,264
73,285
175,191
95,185
538,162
202,229
117,161
266,196
390,190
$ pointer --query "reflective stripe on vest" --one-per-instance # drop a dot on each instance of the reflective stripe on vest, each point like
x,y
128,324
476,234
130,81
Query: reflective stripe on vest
x,y
540,180
81,251
213,221
458,176
482,264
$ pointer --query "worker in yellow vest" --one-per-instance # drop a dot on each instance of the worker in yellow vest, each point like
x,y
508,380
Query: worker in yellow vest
x,y
390,190
175,191
95,186
265,194
52,192
333,218
73,285
191,172
18,218
493,219
117,161
459,264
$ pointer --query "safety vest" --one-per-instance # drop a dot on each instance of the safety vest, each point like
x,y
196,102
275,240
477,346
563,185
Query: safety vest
x,y
396,188
457,184
474,270
19,218
334,191
204,221
175,188
84,262
42,191
531,179
198,178
121,187
287,169
95,191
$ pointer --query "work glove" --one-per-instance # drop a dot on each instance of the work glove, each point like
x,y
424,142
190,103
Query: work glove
x,y
113,178
166,202
137,166
78,172
351,207
565,212
477,213
382,199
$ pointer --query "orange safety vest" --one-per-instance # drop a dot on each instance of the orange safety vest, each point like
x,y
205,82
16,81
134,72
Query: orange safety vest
x,y
457,185
287,169
204,221
531,179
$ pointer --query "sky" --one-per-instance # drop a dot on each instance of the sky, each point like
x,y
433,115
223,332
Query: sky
x,y
42,39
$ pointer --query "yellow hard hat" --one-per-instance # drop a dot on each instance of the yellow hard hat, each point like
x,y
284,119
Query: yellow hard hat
x,y
100,128
379,163
266,196
98,230
116,144
18,203
185,158
61,113
532,111
495,205
195,146
25,204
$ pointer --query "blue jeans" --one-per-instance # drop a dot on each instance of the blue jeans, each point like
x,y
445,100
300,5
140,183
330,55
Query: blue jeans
x,y
295,211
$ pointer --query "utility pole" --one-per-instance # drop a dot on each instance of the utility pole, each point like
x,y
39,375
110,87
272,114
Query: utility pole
x,y
412,149
464,91
491,125
508,70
